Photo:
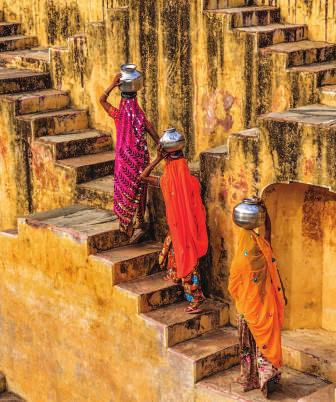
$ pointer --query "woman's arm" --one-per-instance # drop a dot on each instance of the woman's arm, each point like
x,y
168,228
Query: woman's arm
x,y
145,175
103,99
152,132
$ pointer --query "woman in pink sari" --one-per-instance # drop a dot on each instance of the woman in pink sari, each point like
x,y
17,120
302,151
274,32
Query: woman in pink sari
x,y
131,158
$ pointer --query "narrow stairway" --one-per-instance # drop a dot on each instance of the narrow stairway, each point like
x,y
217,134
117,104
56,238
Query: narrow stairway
x,y
202,345
46,121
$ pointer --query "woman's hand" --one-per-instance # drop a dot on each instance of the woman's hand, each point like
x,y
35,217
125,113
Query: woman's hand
x,y
116,80
161,153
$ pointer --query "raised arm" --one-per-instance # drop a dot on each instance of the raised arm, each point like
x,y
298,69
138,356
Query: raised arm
x,y
103,99
152,132
145,175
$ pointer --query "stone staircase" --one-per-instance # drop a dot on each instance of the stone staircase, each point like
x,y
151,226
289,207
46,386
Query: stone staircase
x,y
203,347
283,68
56,142
5,395
59,146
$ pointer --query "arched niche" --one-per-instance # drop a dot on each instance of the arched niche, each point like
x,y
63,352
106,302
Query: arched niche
x,y
304,242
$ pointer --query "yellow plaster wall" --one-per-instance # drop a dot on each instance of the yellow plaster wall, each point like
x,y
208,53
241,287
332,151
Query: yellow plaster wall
x,y
14,197
188,58
68,335
280,152
302,243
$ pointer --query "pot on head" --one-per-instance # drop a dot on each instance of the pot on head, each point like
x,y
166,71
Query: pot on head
x,y
172,140
131,80
249,214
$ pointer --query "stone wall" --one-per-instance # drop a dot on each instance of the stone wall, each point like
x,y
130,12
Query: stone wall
x,y
302,220
68,334
188,56
280,152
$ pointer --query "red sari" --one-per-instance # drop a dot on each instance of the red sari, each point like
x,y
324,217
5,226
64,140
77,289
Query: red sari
x,y
185,215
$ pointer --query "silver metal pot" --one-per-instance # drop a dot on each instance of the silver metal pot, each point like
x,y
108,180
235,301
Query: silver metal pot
x,y
131,80
172,140
249,214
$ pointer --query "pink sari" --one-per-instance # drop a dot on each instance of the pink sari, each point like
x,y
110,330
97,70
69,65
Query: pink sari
x,y
131,158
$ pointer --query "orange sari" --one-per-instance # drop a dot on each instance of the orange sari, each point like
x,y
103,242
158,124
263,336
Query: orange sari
x,y
185,215
255,286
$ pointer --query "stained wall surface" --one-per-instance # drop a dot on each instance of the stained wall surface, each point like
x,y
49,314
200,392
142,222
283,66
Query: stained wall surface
x,y
302,226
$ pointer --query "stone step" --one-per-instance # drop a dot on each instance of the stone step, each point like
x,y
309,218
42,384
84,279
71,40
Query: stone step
x,y
10,28
302,52
13,80
3,384
153,292
175,325
327,95
16,42
132,262
293,386
78,143
311,128
96,193
10,397
13,233
207,354
38,101
311,351
89,167
324,73
319,115
238,17
218,4
36,59
53,122
325,394
98,228
268,35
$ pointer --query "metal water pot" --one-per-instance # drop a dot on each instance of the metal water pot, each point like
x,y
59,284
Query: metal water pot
x,y
172,140
131,80
249,214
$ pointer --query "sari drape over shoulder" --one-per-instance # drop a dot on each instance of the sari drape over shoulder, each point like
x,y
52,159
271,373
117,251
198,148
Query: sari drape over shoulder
x,y
255,286
185,215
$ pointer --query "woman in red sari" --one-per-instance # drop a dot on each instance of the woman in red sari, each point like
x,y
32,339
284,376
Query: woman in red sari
x,y
187,240
131,158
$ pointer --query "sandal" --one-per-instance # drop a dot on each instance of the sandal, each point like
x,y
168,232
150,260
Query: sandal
x,y
193,310
137,235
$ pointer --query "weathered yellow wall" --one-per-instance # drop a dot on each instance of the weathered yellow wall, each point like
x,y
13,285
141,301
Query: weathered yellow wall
x,y
302,225
280,152
13,169
187,56
68,335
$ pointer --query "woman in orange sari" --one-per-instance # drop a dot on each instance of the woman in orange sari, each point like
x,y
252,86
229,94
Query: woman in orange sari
x,y
187,240
256,287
